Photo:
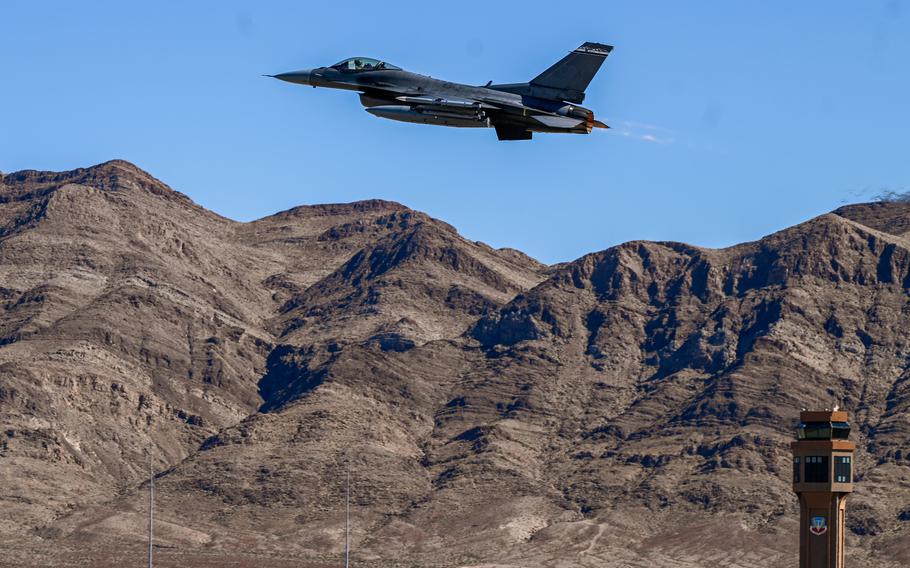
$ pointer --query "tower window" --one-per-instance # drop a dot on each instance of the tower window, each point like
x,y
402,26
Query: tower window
x,y
842,473
796,469
816,469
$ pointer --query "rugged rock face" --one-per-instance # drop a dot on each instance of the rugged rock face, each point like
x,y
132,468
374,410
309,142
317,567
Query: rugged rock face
x,y
122,328
630,408
132,319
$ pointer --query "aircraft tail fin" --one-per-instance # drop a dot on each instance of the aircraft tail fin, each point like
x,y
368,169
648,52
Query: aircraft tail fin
x,y
574,72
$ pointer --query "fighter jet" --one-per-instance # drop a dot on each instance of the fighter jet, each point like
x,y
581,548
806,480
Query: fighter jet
x,y
547,103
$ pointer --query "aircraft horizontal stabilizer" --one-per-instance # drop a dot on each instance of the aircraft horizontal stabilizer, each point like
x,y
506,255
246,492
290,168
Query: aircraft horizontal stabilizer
x,y
557,121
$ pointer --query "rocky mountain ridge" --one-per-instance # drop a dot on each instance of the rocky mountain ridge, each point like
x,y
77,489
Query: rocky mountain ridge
x,y
629,408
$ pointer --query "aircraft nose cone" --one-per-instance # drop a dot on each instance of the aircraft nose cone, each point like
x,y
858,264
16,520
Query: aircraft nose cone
x,y
301,77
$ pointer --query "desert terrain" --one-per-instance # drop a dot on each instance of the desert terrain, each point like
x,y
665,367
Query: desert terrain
x,y
630,408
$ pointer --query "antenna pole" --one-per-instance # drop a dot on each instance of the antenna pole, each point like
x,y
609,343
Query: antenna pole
x,y
151,507
347,522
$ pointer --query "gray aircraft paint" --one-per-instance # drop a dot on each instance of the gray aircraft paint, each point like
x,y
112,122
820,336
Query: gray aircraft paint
x,y
547,103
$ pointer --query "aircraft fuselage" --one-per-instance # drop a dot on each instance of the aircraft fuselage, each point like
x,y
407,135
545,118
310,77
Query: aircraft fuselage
x,y
548,103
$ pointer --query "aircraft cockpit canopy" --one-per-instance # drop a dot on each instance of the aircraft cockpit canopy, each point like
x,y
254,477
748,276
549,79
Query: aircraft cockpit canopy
x,y
363,64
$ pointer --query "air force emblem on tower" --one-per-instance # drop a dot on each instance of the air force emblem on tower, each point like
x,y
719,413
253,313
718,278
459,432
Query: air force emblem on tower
x,y
818,526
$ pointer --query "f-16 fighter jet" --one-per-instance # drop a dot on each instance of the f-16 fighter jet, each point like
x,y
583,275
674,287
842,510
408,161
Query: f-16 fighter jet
x,y
547,103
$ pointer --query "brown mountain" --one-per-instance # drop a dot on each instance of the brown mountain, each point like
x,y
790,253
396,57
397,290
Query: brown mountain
x,y
630,408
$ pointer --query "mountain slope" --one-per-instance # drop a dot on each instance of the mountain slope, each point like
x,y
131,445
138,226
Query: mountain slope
x,y
630,408
633,391
135,319
122,328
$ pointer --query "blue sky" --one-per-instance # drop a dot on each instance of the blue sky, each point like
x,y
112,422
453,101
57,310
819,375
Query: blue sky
x,y
732,119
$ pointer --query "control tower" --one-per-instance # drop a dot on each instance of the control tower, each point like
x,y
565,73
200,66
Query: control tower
x,y
822,479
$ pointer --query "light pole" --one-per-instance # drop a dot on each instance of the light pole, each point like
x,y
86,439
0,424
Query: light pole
x,y
347,521
151,508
